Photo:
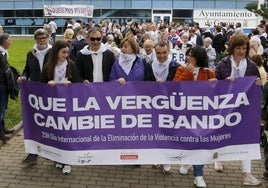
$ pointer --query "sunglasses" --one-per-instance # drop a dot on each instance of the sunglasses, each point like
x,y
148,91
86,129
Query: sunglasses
x,y
93,38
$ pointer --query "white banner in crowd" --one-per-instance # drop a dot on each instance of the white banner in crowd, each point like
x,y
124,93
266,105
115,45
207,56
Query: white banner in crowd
x,y
178,56
68,11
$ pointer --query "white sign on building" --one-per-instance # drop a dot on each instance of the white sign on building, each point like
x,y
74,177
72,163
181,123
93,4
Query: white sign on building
x,y
68,11
213,17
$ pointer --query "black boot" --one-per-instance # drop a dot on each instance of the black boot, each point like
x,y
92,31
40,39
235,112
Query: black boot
x,y
4,137
9,131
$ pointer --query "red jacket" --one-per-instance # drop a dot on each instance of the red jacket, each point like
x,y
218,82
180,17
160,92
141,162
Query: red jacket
x,y
183,74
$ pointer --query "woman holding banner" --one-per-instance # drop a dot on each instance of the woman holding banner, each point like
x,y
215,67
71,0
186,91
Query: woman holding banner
x,y
130,67
60,70
196,69
237,65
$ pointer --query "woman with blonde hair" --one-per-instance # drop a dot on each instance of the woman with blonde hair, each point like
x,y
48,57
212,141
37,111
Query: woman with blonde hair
x,y
147,52
259,62
68,36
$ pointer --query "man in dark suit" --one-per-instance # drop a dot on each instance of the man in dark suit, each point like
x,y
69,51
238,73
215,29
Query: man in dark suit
x,y
94,61
35,61
5,42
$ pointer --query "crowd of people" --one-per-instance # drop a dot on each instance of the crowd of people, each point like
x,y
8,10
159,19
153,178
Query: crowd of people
x,y
135,51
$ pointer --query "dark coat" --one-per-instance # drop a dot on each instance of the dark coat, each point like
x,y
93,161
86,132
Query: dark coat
x,y
84,65
224,69
76,46
3,68
172,70
206,34
32,70
218,43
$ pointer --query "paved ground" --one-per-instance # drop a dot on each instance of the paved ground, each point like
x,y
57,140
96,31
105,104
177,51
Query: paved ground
x,y
45,175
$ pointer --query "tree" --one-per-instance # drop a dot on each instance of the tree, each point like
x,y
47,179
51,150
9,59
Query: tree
x,y
253,7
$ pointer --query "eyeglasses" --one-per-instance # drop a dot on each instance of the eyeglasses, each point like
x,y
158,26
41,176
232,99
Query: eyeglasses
x,y
93,38
41,38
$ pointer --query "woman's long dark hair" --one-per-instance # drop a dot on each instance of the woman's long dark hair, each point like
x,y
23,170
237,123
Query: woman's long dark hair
x,y
53,59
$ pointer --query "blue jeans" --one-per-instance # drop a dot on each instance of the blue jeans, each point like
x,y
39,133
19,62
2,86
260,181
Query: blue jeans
x,y
53,36
3,105
198,170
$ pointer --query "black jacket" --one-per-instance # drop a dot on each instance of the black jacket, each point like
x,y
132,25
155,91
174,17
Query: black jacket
x,y
3,68
75,78
32,70
84,65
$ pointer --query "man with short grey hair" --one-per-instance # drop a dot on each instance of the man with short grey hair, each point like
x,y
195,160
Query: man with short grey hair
x,y
35,60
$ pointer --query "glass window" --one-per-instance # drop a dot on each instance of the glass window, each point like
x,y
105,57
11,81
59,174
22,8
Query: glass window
x,y
127,13
39,4
38,13
96,12
142,4
102,4
57,2
30,30
182,13
23,4
118,4
12,30
225,4
8,13
160,11
162,4
78,2
204,4
47,2
10,21
24,13
23,21
6,5
180,4
38,21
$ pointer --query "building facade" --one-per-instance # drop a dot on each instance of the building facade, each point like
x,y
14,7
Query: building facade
x,y
25,16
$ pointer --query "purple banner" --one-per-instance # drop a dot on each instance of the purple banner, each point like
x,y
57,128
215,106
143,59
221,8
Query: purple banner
x,y
142,115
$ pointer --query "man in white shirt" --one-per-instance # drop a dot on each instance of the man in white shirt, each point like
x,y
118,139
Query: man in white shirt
x,y
94,62
53,27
